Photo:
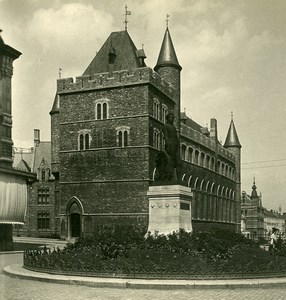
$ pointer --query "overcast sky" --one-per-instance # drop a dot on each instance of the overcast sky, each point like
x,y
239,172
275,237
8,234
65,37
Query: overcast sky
x,y
233,55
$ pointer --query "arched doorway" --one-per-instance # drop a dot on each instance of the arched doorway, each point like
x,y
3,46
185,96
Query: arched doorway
x,y
75,220
74,217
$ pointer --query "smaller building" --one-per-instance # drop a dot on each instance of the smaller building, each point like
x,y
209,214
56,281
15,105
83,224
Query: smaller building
x,y
257,222
13,183
40,220
273,219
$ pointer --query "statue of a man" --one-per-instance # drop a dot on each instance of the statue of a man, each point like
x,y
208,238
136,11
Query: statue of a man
x,y
171,139
167,160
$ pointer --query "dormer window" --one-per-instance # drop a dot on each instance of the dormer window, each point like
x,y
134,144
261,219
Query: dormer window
x,y
101,109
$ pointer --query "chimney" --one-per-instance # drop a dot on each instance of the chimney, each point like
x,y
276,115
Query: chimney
x,y
36,137
213,129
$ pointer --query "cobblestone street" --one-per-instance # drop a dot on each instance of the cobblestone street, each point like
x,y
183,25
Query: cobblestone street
x,y
19,289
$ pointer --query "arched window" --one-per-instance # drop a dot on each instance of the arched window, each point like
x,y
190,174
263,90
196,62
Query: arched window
x,y
156,109
125,138
120,143
196,157
81,142
190,154
98,111
184,148
202,160
86,141
43,174
101,111
104,110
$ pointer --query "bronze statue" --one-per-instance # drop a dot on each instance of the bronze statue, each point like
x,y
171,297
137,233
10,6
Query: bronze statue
x,y
167,161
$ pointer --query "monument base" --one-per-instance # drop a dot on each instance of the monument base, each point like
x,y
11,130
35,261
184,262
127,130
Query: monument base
x,y
169,209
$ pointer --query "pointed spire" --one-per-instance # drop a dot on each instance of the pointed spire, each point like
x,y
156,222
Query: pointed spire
x,y
232,137
254,191
167,56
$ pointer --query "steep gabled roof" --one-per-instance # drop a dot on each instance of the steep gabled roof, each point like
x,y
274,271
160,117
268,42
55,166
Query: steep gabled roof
x,y
191,123
120,45
23,165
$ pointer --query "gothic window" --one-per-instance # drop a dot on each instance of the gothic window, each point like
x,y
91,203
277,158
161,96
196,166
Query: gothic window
x,y
101,109
43,174
122,134
43,220
43,196
84,139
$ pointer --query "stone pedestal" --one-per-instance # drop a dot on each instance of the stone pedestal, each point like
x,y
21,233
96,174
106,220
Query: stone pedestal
x,y
169,208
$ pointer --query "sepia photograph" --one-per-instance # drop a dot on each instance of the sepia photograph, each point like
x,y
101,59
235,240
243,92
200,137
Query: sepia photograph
x,y
142,151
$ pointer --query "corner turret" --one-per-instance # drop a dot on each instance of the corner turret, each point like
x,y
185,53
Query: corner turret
x,y
169,69
233,145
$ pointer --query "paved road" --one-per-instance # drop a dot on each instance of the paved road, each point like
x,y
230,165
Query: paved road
x,y
19,289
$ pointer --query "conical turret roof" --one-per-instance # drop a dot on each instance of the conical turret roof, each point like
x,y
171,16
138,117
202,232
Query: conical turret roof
x,y
232,137
167,55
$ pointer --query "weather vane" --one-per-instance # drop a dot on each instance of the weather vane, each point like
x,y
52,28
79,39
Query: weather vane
x,y
127,13
167,20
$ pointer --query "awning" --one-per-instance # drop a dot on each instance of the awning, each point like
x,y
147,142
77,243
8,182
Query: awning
x,y
13,199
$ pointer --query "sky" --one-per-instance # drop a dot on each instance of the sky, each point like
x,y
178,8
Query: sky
x,y
233,55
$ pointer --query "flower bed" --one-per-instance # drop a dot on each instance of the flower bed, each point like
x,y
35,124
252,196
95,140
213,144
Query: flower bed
x,y
126,253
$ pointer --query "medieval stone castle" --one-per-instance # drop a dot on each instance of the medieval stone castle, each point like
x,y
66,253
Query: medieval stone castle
x,y
106,134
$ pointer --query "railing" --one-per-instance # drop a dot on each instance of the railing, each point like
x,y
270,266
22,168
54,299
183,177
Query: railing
x,y
54,262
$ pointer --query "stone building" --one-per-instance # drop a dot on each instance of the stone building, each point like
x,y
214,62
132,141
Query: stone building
x,y
13,183
106,134
257,221
40,218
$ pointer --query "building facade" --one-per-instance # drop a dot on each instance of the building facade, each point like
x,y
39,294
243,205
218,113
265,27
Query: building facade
x,y
13,183
41,218
107,132
257,221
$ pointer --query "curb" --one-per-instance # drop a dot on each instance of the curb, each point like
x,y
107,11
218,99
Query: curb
x,y
18,271
11,252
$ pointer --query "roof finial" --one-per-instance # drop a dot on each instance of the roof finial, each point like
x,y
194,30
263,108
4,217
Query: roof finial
x,y
143,46
231,115
253,179
167,20
127,13
60,73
